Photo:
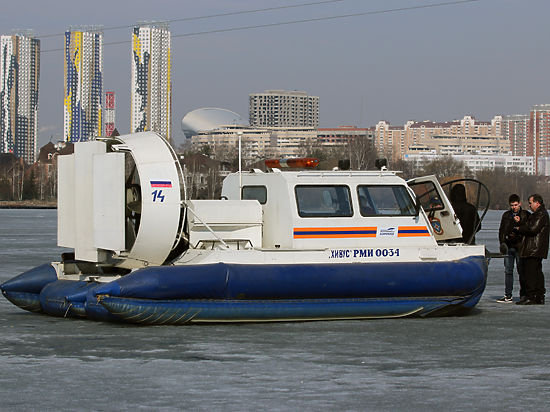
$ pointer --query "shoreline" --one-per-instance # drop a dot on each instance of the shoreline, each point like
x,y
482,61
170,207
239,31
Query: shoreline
x,y
27,204
40,204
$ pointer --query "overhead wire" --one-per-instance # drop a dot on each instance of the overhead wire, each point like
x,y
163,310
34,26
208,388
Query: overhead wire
x,y
210,16
291,22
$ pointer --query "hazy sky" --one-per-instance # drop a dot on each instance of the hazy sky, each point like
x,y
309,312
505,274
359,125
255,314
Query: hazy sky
x,y
482,58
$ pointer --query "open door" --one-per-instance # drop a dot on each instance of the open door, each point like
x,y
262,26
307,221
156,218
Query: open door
x,y
477,194
434,201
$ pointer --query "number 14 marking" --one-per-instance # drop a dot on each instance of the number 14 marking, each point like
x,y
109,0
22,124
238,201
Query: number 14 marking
x,y
157,194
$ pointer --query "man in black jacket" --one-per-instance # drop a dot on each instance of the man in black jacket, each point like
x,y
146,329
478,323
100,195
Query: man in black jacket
x,y
534,248
510,241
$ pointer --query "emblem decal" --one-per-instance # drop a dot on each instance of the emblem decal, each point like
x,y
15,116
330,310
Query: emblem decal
x,y
436,225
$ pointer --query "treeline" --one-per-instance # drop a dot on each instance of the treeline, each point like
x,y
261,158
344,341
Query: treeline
x,y
500,183
19,181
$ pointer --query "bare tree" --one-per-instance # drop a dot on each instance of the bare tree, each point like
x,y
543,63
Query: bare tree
x,y
361,152
445,167
408,168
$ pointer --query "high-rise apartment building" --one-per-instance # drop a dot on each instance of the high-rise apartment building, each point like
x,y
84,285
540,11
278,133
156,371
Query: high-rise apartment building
x,y
151,80
19,76
515,129
83,85
539,130
109,113
281,108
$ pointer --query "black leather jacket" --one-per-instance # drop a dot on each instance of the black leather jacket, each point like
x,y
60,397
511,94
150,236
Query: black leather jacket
x,y
536,230
506,232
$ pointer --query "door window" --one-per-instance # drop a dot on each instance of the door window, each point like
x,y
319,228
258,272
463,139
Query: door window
x,y
376,200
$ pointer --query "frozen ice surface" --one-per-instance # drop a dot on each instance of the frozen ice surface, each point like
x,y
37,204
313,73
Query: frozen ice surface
x,y
496,358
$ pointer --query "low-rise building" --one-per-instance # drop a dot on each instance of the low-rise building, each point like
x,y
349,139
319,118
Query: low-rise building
x,y
256,143
543,166
475,163
341,135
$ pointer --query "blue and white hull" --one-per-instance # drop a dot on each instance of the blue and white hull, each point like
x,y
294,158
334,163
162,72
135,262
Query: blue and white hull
x,y
223,292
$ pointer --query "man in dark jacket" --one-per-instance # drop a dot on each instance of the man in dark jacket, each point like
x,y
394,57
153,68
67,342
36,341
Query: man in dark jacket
x,y
534,248
466,213
510,243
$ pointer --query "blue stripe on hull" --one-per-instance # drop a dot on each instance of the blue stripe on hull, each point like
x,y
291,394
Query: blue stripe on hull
x,y
154,312
302,281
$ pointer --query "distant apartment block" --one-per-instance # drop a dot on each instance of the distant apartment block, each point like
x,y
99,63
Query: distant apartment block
x,y
529,135
451,145
476,163
281,108
109,113
83,84
256,143
515,129
19,77
460,136
264,142
151,94
341,135
539,131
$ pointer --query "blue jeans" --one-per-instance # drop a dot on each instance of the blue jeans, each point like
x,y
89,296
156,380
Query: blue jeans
x,y
513,256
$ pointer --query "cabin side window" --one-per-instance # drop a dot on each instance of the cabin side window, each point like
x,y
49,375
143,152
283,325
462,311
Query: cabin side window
x,y
258,193
323,201
385,201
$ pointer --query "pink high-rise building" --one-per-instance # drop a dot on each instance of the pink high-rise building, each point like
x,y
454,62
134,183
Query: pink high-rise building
x,y
109,113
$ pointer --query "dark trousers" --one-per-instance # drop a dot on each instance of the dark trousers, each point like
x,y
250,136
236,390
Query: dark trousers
x,y
534,278
509,262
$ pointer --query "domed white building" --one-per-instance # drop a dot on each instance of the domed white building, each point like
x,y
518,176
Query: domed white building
x,y
207,119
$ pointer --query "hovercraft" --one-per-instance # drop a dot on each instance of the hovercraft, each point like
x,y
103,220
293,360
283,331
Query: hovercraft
x,y
279,245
